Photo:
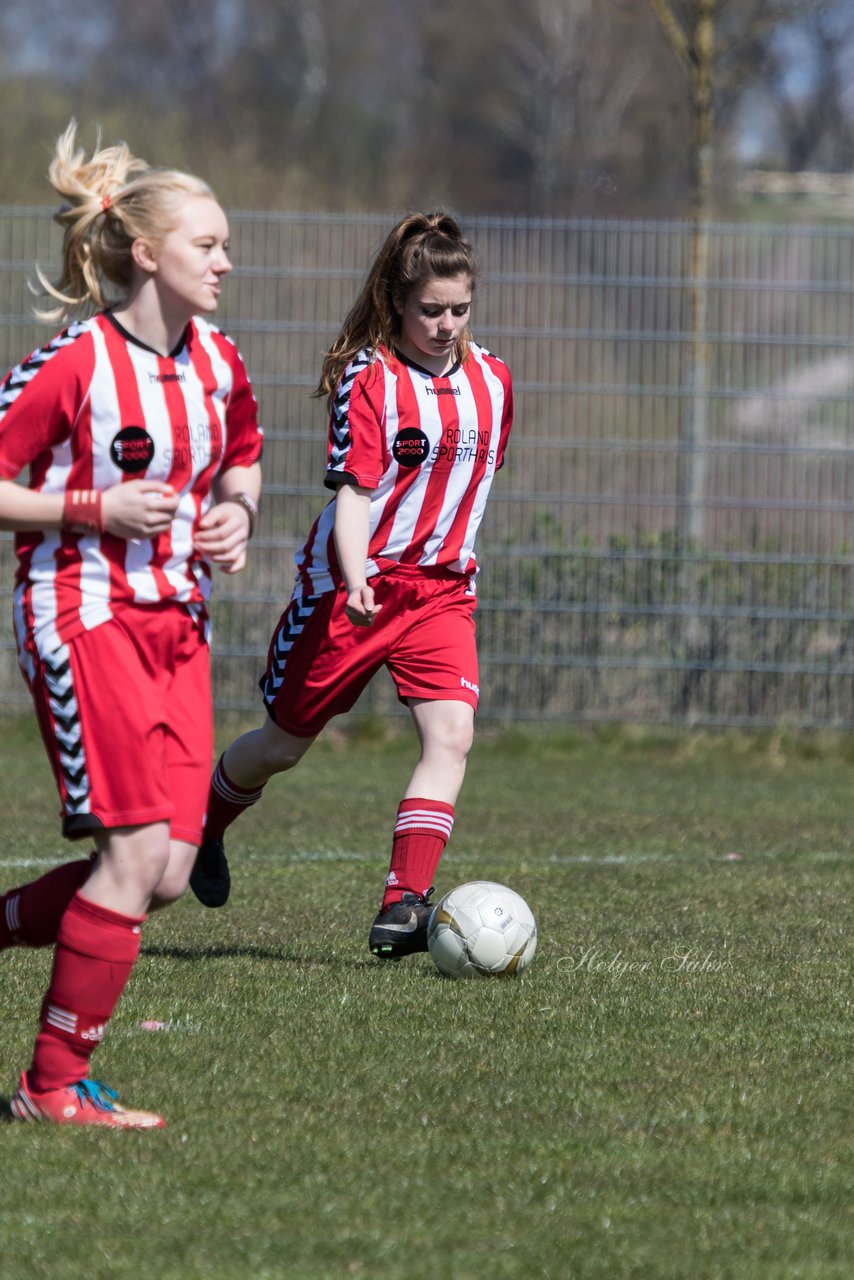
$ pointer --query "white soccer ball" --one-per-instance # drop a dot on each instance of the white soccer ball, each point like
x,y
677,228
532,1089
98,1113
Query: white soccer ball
x,y
482,929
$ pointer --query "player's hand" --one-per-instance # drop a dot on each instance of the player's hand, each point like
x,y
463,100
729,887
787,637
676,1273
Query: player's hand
x,y
138,508
360,607
223,535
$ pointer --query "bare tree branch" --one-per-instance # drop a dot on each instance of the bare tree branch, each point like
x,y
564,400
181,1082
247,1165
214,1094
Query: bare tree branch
x,y
679,42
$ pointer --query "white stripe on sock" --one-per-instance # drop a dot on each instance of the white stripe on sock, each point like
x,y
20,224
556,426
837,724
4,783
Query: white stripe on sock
x,y
224,788
62,1019
13,913
424,819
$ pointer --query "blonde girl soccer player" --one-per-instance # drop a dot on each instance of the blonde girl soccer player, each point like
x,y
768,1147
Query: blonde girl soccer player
x,y
138,428
420,416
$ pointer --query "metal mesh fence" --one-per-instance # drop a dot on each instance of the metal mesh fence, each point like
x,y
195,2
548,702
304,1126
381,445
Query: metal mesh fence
x,y
594,605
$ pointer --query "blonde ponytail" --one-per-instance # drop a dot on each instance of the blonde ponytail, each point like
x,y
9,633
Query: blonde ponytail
x,y
110,200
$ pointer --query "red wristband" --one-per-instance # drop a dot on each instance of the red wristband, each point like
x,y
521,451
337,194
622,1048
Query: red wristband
x,y
81,512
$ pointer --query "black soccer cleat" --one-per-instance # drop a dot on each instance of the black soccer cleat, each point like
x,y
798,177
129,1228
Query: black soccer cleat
x,y
210,878
401,929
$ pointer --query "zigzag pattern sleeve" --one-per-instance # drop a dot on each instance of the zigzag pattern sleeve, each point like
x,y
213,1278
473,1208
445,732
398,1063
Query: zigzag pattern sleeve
x,y
41,397
356,426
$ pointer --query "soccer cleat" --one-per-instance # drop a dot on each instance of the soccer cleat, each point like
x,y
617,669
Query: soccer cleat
x,y
210,878
401,929
86,1102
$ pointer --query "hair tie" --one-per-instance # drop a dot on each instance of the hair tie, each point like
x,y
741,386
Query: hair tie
x,y
106,203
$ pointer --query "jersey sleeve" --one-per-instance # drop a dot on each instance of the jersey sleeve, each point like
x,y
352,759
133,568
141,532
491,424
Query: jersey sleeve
x,y
357,444
244,437
506,417
40,400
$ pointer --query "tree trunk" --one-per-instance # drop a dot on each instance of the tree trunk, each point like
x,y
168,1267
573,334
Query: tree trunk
x,y
692,479
696,52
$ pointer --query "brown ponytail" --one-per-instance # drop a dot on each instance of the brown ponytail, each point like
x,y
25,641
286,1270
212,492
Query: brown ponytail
x,y
422,246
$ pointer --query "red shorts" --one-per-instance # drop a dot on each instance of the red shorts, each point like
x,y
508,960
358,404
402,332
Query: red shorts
x,y
319,662
125,714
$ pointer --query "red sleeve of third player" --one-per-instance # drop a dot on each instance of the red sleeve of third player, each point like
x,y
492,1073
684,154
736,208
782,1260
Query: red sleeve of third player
x,y
40,400
357,445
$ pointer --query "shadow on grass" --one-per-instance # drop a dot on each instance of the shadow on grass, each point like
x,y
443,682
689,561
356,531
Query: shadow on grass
x,y
256,953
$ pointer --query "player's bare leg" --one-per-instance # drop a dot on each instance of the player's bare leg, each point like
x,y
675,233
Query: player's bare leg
x,y
130,864
445,731
176,877
423,826
240,776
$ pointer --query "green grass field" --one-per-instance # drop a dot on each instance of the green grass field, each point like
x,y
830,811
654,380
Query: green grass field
x,y
666,1093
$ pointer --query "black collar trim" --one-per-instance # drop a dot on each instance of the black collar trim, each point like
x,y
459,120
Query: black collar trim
x,y
129,337
420,368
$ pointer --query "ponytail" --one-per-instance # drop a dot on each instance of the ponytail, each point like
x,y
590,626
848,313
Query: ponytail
x,y
110,200
422,246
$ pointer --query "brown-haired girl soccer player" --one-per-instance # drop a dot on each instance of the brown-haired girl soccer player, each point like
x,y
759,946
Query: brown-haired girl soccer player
x,y
128,422
419,422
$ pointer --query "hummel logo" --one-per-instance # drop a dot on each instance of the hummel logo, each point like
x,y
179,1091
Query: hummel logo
x,y
467,684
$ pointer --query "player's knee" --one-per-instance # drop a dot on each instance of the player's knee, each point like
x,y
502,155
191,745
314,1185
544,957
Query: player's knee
x,y
280,751
169,890
173,881
463,740
454,736
154,867
139,856
285,758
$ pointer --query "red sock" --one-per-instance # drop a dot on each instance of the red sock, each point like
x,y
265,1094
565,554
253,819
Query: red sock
x,y
422,830
226,802
95,952
30,915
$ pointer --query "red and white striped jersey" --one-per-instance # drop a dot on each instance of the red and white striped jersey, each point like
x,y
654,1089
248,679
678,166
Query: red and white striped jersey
x,y
94,408
427,447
